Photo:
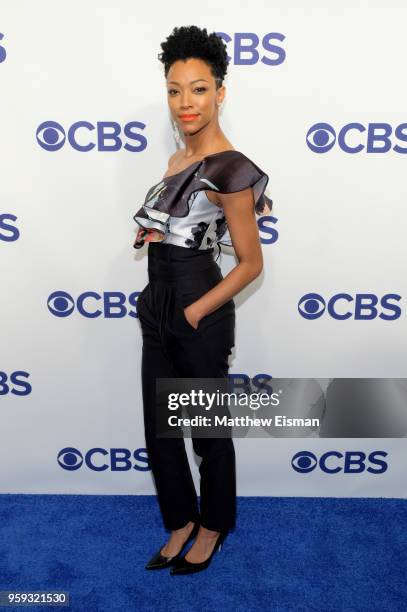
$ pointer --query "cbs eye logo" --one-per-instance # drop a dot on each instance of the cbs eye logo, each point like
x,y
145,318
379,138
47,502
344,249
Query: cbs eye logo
x,y
342,306
61,304
332,462
113,304
51,136
70,459
304,462
321,137
101,459
311,306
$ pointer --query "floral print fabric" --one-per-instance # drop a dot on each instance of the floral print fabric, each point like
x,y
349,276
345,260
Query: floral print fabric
x,y
177,211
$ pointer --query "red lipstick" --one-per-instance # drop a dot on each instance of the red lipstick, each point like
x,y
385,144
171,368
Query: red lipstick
x,y
188,117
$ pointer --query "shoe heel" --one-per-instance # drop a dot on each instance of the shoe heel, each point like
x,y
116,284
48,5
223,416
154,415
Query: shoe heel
x,y
221,540
183,566
158,561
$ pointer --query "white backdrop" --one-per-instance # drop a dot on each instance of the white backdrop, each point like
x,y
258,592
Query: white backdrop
x,y
66,225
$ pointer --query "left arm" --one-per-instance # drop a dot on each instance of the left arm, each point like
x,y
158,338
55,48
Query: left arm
x,y
241,219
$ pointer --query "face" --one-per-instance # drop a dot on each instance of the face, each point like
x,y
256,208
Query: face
x,y
191,91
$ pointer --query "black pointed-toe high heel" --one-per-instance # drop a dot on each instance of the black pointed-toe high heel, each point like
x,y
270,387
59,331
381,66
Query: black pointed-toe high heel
x,y
158,561
183,566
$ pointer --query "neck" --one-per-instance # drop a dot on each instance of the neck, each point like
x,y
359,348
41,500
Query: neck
x,y
209,137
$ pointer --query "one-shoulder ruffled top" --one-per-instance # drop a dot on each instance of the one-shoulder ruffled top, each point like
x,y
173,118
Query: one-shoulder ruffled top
x,y
176,210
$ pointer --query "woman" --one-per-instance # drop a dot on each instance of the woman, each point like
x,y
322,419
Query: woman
x,y
209,195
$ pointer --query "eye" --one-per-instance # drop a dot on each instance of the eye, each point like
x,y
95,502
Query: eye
x,y
198,89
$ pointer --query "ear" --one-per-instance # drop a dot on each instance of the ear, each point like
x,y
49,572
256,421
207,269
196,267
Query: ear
x,y
220,94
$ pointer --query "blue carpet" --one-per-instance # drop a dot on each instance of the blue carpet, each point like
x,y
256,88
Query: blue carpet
x,y
287,553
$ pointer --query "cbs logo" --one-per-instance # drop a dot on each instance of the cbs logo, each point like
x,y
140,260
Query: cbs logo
x,y
332,462
84,136
246,47
113,304
362,306
321,137
100,459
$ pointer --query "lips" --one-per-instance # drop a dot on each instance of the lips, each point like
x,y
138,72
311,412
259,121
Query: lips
x,y
188,117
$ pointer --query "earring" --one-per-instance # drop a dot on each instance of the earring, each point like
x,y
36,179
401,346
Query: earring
x,y
175,131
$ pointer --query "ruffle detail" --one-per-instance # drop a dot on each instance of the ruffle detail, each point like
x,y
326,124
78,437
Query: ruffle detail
x,y
224,172
153,226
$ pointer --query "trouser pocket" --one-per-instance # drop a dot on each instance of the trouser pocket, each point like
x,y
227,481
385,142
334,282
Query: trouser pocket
x,y
181,323
211,320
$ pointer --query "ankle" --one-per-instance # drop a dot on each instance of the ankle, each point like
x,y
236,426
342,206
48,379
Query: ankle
x,y
188,527
208,534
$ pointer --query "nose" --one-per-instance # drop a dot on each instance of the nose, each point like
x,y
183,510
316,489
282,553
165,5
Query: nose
x,y
185,103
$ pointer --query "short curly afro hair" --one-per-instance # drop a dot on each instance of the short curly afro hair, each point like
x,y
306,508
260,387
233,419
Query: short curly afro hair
x,y
190,41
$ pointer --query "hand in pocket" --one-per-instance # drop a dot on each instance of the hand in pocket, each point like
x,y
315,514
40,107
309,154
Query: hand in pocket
x,y
190,318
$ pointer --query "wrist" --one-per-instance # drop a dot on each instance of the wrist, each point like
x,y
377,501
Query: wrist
x,y
196,312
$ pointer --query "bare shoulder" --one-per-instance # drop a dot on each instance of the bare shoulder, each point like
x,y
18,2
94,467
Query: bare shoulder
x,y
176,163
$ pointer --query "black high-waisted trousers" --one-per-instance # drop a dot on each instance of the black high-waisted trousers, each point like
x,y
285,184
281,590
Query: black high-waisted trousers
x,y
172,347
